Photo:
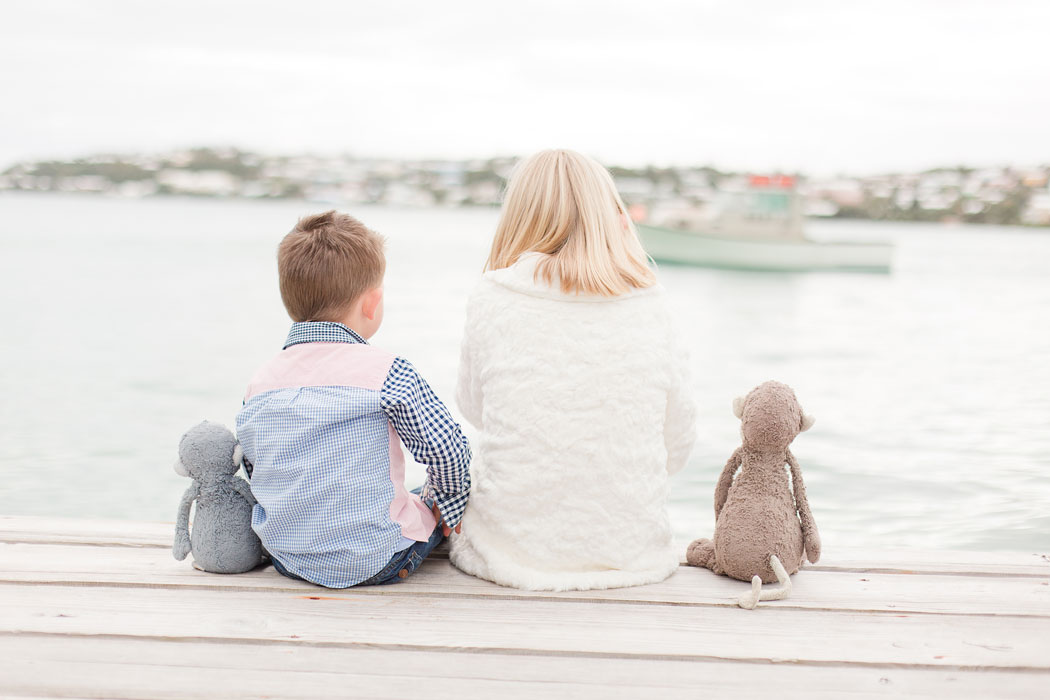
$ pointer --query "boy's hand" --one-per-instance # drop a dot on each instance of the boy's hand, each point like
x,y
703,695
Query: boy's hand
x,y
445,529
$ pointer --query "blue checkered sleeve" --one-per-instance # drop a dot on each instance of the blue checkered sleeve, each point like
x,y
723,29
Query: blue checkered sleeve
x,y
430,434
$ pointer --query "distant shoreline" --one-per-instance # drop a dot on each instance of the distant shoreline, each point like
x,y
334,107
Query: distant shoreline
x,y
347,206
1003,195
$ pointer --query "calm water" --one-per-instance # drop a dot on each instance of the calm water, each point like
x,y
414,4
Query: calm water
x,y
126,322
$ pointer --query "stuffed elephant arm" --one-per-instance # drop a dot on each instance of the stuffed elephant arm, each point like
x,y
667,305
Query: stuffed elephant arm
x,y
726,480
810,536
181,547
242,487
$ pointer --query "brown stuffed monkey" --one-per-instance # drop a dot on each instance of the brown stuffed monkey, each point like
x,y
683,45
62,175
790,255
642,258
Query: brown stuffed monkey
x,y
763,525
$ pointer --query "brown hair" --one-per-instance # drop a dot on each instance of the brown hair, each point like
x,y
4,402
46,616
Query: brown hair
x,y
326,263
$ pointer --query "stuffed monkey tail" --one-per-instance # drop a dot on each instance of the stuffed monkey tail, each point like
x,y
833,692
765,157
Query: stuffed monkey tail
x,y
782,577
751,600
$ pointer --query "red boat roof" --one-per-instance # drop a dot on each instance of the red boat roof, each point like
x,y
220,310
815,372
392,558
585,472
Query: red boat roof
x,y
782,181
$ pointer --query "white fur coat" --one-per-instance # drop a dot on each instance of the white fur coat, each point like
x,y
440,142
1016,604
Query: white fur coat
x,y
583,410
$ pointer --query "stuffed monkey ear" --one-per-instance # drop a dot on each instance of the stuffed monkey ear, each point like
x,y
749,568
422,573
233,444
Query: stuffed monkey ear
x,y
807,422
238,455
738,407
180,468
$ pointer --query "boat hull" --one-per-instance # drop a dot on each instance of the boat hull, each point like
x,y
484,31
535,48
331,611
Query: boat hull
x,y
690,248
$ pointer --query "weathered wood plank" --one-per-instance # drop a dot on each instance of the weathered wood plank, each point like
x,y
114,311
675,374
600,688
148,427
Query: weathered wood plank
x,y
159,534
126,533
136,668
119,618
525,625
976,595
944,561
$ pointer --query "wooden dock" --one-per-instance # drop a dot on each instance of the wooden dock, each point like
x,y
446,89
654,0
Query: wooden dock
x,y
100,609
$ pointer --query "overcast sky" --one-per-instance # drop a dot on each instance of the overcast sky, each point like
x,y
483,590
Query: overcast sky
x,y
822,87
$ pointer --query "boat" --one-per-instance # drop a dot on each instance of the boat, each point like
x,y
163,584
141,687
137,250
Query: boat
x,y
757,226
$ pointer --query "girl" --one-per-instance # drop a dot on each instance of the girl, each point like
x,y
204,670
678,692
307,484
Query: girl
x,y
571,373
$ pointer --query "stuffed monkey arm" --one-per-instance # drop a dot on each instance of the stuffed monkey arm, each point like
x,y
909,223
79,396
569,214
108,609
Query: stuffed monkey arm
x,y
242,487
810,536
726,480
181,546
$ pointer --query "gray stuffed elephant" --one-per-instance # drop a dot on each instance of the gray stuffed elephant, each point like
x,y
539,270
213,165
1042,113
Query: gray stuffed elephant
x,y
222,541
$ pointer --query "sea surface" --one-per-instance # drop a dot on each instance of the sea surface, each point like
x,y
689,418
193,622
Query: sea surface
x,y
125,322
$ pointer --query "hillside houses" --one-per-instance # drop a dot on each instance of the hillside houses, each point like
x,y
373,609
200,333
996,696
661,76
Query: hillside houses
x,y
1001,195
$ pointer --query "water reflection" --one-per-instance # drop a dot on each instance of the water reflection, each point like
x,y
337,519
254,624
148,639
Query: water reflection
x,y
928,384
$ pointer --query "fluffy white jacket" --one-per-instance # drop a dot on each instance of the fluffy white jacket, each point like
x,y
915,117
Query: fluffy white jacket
x,y
583,411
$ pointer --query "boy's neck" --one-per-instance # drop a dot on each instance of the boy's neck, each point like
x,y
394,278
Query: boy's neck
x,y
365,314
357,324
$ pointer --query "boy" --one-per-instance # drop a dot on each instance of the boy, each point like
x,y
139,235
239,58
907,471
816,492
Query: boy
x,y
321,422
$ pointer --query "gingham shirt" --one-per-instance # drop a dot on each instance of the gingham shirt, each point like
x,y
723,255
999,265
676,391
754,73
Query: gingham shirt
x,y
321,457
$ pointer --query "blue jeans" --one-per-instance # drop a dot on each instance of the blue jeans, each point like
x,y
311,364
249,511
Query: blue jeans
x,y
407,560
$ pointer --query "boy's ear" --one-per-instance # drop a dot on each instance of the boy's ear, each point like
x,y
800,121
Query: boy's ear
x,y
370,302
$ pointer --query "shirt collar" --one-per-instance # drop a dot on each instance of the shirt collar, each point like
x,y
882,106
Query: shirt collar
x,y
321,332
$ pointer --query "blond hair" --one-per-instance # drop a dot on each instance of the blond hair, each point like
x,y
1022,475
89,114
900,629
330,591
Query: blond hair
x,y
564,205
326,263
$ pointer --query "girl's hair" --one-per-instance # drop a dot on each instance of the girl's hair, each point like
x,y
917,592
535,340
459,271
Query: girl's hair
x,y
565,205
